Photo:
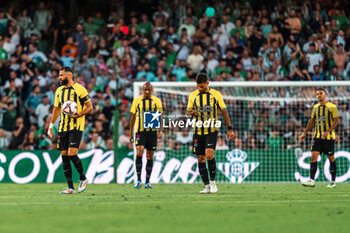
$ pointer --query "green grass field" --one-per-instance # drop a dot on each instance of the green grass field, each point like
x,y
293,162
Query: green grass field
x,y
175,208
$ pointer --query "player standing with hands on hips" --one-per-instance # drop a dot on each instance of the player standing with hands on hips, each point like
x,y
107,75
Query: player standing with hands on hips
x,y
71,128
326,117
204,104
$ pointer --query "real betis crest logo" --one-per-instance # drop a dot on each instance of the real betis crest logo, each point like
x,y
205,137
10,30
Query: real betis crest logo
x,y
236,170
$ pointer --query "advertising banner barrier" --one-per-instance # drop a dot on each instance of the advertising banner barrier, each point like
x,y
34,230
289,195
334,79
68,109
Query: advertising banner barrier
x,y
234,166
46,166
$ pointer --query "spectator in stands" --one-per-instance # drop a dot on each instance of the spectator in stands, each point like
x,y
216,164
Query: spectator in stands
x,y
110,145
37,57
144,27
312,58
293,24
96,142
9,117
124,138
18,134
42,18
32,102
80,39
195,59
344,115
184,137
317,76
275,141
238,142
249,141
30,142
3,140
226,25
17,83
260,135
71,47
261,45
188,27
42,110
66,59
221,144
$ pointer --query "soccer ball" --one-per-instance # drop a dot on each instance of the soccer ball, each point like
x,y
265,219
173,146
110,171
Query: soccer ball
x,y
69,108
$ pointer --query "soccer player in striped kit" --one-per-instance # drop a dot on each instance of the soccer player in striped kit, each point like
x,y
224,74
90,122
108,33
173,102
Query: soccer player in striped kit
x,y
71,128
326,116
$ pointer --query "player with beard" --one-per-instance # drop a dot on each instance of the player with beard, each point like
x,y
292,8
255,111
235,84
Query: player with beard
x,y
70,127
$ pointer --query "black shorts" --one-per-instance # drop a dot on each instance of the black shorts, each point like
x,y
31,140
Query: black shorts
x,y
147,139
69,139
323,146
202,142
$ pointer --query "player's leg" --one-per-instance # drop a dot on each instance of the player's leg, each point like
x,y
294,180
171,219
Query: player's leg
x,y
313,164
73,155
149,167
315,152
138,164
140,147
333,167
62,145
202,167
150,145
209,153
210,145
313,169
74,142
199,150
67,170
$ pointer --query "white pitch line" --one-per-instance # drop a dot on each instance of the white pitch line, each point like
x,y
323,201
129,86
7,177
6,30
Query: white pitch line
x,y
172,196
197,202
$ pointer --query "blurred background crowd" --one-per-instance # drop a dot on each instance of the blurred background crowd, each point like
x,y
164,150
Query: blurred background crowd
x,y
111,44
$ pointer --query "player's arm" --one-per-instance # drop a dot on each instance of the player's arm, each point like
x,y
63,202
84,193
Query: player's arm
x,y
84,98
227,120
55,113
160,131
160,109
132,120
310,124
224,113
131,126
192,113
87,110
190,105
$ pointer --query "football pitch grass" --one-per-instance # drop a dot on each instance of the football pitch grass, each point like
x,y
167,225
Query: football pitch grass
x,y
258,207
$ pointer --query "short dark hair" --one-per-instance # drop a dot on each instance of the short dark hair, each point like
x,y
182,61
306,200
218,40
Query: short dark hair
x,y
201,78
322,89
67,69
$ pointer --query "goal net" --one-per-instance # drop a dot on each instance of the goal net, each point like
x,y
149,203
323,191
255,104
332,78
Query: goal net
x,y
267,117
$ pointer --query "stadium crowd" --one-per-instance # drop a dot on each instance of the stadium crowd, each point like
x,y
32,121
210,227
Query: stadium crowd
x,y
167,41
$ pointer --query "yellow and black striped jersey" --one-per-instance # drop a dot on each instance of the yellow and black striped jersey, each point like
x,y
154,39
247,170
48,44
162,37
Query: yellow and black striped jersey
x,y
140,105
78,94
207,105
324,117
